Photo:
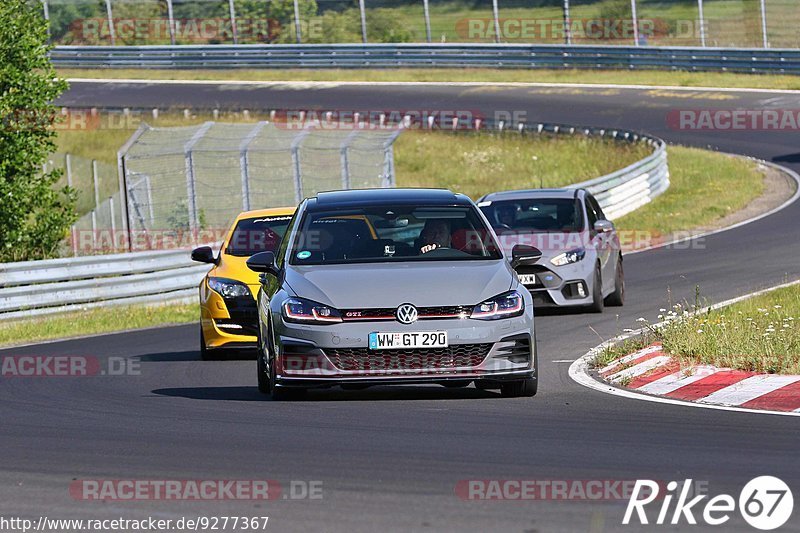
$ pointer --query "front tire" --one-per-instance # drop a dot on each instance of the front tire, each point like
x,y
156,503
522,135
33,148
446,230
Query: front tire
x,y
523,388
617,298
205,353
264,383
597,292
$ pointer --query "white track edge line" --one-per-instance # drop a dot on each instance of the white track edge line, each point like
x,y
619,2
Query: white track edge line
x,y
579,370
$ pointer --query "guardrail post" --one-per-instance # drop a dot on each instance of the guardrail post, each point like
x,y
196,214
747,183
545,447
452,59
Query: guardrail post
x,y
764,23
635,21
567,23
244,163
297,22
232,10
496,16
427,13
701,16
110,15
171,22
363,12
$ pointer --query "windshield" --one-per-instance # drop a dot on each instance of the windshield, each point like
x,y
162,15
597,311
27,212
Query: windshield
x,y
393,234
535,215
258,234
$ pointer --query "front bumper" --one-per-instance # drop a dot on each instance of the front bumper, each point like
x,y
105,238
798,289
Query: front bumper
x,y
561,286
335,355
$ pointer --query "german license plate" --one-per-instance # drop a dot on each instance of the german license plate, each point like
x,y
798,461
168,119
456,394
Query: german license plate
x,y
527,279
388,341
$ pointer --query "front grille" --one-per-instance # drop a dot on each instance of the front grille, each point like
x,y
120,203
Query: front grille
x,y
458,355
388,313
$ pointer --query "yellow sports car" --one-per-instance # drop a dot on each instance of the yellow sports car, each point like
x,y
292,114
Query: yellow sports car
x,y
228,313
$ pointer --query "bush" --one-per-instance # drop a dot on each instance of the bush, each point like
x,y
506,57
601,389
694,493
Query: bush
x,y
34,217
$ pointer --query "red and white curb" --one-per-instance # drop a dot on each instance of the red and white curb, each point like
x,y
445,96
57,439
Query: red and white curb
x,y
652,371
652,375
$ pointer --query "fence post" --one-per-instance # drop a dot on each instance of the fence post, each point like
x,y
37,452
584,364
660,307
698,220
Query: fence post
x,y
567,22
764,23
344,159
232,10
110,16
122,174
702,18
427,13
297,22
94,230
635,21
244,163
296,170
72,229
191,189
363,11
149,199
496,16
46,12
113,224
95,184
389,179
171,19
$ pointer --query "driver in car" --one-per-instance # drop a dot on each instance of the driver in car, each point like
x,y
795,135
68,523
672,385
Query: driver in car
x,y
435,234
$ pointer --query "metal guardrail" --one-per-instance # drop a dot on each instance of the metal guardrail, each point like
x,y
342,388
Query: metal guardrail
x,y
34,288
429,55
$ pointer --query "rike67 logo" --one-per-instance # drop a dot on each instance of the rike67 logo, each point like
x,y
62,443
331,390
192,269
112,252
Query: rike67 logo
x,y
765,503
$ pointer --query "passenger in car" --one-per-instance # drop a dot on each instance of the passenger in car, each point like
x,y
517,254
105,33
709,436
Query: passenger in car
x,y
435,234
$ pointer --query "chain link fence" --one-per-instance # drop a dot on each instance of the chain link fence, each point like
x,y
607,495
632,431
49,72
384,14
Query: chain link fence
x,y
717,23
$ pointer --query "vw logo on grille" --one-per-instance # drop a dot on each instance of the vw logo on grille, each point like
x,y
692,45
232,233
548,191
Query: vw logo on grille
x,y
406,314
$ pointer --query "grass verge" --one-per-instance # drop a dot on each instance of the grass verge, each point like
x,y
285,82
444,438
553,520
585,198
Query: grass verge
x,y
93,321
761,334
612,77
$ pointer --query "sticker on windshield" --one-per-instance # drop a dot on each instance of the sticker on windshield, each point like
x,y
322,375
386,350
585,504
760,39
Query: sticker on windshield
x,y
305,254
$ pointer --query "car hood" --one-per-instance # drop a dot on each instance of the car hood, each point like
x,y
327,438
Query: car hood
x,y
434,283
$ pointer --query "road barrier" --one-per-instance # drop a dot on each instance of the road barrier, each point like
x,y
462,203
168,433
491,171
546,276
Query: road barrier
x,y
430,55
35,288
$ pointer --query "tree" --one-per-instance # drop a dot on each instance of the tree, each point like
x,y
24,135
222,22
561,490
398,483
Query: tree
x,y
34,217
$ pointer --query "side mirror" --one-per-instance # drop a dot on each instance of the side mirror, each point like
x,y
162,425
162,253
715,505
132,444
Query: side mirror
x,y
204,254
603,226
523,254
263,262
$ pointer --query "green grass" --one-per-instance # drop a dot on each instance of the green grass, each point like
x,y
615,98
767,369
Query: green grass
x,y
704,187
477,164
760,334
616,77
93,321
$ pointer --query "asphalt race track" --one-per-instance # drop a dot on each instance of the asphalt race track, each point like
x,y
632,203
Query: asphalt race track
x,y
390,458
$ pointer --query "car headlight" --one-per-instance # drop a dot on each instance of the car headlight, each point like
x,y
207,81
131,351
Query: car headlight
x,y
308,312
567,258
507,305
228,288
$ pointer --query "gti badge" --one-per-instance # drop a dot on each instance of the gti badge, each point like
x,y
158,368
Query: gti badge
x,y
406,314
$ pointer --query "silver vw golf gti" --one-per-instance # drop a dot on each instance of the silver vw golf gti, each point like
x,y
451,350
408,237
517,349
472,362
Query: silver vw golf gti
x,y
393,286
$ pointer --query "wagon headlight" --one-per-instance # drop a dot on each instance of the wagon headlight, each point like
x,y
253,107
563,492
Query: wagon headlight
x,y
506,305
228,288
308,312
567,258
